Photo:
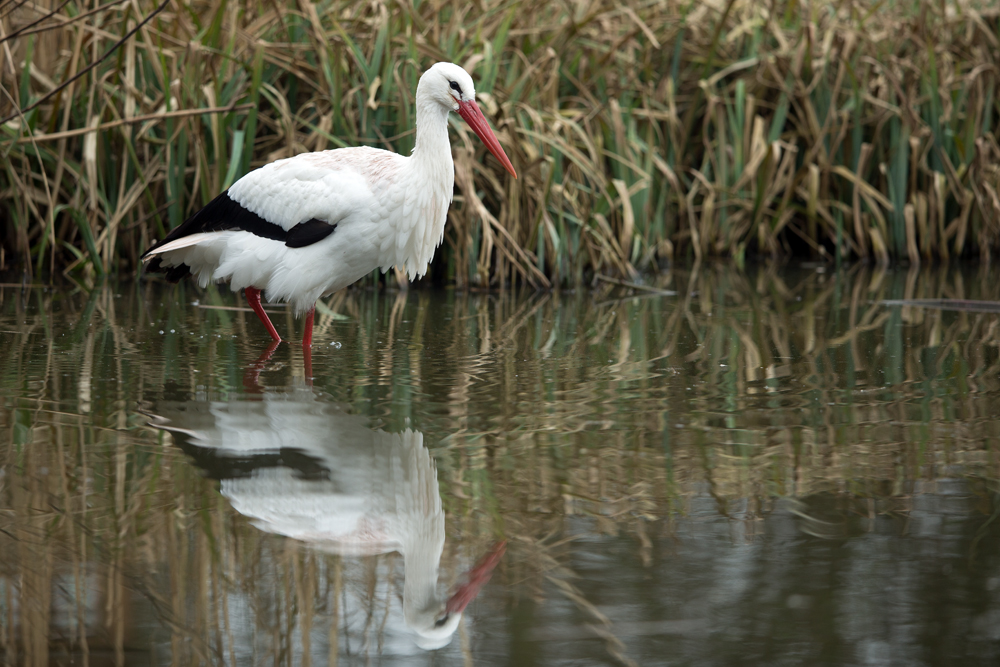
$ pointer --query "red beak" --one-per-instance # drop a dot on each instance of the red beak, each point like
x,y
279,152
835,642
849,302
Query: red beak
x,y
477,121
478,575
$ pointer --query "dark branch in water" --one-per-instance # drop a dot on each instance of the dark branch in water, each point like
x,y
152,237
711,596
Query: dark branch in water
x,y
947,304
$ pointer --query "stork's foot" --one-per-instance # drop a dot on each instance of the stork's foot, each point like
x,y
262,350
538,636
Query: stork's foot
x,y
253,297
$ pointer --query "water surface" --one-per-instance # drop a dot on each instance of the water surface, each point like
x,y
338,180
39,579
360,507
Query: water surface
x,y
766,468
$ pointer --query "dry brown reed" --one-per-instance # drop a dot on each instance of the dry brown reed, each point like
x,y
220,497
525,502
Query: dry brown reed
x,y
643,132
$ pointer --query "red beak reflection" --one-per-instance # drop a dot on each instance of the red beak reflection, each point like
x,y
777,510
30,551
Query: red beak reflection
x,y
476,578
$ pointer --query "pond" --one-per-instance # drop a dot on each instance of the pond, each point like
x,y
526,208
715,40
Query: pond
x,y
795,466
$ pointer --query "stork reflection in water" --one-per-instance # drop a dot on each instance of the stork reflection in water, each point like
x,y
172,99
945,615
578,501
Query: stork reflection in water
x,y
302,468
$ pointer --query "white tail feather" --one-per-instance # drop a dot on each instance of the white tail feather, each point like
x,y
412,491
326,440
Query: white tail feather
x,y
185,242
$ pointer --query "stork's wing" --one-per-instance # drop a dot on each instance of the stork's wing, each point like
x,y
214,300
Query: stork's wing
x,y
298,201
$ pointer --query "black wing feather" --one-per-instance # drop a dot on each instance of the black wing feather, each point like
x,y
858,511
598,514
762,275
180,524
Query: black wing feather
x,y
225,214
309,232
220,215
173,274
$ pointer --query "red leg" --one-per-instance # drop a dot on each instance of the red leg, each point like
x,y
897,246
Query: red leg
x,y
253,296
307,362
307,335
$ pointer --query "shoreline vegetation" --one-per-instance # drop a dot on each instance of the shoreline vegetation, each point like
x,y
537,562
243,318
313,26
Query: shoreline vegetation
x,y
643,133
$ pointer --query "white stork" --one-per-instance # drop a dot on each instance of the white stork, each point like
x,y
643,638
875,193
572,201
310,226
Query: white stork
x,y
299,228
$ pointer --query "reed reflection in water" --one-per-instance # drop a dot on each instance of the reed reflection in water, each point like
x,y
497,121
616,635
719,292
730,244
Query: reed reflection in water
x,y
769,467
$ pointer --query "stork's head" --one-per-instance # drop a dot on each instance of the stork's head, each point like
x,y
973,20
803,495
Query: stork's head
x,y
437,628
435,624
451,86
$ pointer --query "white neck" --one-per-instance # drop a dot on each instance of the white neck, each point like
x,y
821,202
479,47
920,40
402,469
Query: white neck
x,y
432,147
430,181
421,558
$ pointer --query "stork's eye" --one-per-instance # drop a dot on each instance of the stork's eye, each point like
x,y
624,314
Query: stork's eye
x,y
456,87
444,619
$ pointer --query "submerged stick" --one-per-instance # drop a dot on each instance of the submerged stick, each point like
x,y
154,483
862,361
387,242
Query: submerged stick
x,y
946,304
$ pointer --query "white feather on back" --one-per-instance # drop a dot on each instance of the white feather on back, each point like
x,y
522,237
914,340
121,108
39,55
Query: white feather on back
x,y
328,185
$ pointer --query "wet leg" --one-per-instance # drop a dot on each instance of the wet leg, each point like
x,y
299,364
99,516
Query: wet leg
x,y
307,335
251,377
253,296
307,350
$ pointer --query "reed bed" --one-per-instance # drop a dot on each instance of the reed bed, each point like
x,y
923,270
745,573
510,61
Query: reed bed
x,y
625,410
643,132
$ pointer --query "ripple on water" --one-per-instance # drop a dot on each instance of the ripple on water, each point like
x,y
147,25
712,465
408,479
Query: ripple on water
x,y
776,470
